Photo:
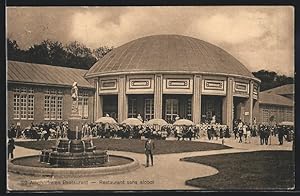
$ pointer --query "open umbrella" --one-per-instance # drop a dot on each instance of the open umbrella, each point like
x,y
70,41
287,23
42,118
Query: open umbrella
x,y
132,122
105,119
157,121
287,123
182,122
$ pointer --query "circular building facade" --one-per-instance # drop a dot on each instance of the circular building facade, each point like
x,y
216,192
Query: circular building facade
x,y
163,76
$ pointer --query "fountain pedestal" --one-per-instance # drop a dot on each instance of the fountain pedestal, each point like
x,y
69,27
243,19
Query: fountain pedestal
x,y
74,153
75,124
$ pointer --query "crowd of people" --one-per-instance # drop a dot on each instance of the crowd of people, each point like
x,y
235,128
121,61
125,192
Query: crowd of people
x,y
45,131
39,131
244,132
241,131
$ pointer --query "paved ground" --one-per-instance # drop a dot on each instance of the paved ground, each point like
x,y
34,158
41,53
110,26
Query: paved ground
x,y
167,173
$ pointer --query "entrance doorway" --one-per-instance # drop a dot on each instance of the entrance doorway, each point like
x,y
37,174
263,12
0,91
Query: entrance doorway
x,y
172,109
110,106
239,108
141,104
174,105
211,105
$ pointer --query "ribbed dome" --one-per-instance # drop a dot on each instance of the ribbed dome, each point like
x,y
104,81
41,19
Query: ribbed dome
x,y
162,53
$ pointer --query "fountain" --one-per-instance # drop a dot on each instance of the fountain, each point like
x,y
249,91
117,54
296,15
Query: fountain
x,y
74,153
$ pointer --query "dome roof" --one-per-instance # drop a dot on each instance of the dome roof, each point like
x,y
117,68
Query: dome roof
x,y
169,53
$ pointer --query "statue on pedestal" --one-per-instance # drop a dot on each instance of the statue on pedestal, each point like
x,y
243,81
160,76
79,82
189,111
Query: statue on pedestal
x,y
74,93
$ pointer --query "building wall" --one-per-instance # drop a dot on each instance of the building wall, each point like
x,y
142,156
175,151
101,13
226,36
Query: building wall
x,y
39,104
195,86
256,113
281,113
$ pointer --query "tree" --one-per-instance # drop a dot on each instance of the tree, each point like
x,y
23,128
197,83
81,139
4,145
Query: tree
x,y
40,53
78,49
57,53
79,56
270,79
74,54
13,50
102,51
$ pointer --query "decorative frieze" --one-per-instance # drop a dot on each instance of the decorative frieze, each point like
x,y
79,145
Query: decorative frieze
x,y
108,85
177,83
174,84
140,84
255,91
214,87
241,89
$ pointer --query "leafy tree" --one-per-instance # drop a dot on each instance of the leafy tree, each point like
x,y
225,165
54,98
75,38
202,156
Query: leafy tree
x,y
40,53
74,54
13,50
102,51
270,79
78,49
57,53
79,56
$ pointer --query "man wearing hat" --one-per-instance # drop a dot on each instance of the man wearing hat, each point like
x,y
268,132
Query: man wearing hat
x,y
149,148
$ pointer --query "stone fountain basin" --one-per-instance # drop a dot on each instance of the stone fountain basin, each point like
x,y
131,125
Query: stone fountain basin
x,y
67,159
30,165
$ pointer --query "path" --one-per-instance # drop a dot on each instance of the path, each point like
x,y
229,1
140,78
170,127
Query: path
x,y
167,173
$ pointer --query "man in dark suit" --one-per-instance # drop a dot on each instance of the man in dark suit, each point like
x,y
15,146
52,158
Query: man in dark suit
x,y
149,148
11,147
280,135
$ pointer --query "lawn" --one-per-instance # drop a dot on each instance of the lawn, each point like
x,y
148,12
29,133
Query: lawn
x,y
249,170
135,145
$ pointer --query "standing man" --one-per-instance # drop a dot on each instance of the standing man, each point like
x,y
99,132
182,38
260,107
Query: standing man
x,y
245,132
280,135
11,148
149,148
261,134
248,130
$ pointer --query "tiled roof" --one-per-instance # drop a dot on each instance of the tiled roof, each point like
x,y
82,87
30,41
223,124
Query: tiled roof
x,y
169,53
287,89
45,74
274,99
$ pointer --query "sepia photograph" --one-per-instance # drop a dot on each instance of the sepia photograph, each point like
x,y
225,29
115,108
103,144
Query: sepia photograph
x,y
143,98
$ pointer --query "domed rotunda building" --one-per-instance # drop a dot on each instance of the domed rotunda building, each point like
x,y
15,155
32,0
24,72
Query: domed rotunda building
x,y
163,76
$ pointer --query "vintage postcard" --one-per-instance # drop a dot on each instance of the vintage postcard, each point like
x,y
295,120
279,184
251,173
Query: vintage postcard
x,y
150,98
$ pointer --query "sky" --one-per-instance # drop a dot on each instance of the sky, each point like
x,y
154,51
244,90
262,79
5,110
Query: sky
x,y
261,37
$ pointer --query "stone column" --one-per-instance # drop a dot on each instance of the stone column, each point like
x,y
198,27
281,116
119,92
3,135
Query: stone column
x,y
96,99
228,103
251,103
100,106
122,99
196,105
158,92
